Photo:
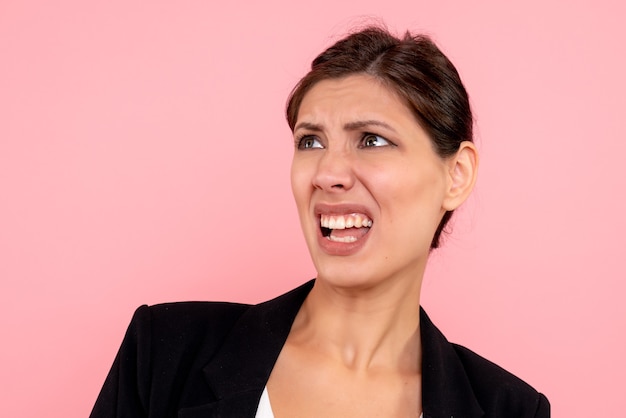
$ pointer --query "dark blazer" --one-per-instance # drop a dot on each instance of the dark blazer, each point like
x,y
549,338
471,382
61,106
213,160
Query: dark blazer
x,y
208,359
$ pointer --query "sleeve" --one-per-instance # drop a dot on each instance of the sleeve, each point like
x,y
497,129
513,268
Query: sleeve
x,y
543,407
125,392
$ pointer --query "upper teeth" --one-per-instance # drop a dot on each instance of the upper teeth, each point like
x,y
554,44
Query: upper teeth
x,y
353,220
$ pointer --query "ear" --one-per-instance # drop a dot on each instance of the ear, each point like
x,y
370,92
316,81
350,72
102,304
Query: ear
x,y
462,172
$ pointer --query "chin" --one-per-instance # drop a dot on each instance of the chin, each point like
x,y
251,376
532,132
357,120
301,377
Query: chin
x,y
347,275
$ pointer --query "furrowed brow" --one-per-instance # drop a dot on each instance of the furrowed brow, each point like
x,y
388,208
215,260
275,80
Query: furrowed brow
x,y
309,126
363,124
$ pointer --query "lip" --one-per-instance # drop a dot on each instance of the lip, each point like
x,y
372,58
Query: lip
x,y
340,248
340,209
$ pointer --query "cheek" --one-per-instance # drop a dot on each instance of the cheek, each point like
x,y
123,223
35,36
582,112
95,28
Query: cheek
x,y
415,212
417,193
300,183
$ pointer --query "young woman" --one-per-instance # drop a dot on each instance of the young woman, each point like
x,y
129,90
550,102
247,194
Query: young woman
x,y
383,156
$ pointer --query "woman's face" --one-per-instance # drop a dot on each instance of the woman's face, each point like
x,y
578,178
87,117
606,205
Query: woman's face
x,y
369,188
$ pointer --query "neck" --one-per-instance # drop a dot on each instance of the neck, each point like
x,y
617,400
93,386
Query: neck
x,y
376,328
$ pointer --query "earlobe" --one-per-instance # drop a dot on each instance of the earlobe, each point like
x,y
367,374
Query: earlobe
x,y
462,172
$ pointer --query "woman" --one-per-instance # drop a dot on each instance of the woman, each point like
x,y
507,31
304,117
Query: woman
x,y
383,156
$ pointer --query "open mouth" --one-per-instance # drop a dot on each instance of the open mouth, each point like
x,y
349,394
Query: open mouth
x,y
345,228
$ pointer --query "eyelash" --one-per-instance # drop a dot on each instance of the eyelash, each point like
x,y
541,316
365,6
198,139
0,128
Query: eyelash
x,y
370,134
300,139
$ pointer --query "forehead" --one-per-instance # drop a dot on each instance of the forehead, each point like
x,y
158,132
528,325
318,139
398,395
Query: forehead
x,y
356,96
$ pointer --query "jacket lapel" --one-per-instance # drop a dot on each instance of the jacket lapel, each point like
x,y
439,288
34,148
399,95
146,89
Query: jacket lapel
x,y
446,389
240,369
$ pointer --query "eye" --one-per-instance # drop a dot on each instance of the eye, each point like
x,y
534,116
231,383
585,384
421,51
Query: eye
x,y
372,140
308,142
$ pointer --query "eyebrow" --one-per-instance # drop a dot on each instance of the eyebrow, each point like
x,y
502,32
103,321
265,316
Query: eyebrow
x,y
350,126
358,125
307,125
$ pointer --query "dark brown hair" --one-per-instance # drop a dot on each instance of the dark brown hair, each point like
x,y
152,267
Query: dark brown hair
x,y
415,69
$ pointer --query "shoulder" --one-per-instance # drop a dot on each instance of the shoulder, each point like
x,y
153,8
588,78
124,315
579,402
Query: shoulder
x,y
172,326
184,353
499,392
186,319
172,329
458,382
191,313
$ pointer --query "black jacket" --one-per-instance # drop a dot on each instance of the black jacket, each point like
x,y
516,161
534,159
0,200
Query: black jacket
x,y
208,359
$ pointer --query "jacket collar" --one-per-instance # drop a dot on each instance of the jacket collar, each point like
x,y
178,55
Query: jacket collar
x,y
239,371
446,389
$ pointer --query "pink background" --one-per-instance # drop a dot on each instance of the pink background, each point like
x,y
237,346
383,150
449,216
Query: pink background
x,y
144,158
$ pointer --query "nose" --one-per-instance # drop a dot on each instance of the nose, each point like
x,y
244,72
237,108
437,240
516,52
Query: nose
x,y
334,171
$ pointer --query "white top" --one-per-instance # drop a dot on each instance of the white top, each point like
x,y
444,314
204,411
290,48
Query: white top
x,y
265,408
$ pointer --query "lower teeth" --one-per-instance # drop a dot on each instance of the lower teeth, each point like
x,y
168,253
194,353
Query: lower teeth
x,y
341,239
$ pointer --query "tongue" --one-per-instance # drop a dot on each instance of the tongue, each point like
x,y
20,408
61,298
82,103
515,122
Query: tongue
x,y
349,232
